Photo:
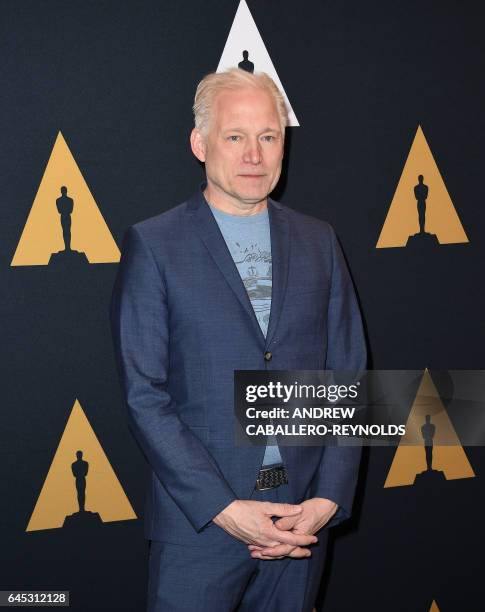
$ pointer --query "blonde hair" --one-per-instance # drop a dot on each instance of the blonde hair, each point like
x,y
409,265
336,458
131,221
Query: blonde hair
x,y
234,78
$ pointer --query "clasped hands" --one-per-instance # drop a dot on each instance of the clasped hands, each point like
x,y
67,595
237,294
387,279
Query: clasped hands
x,y
251,521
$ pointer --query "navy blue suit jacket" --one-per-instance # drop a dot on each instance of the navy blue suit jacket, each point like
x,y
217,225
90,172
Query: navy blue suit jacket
x,y
182,323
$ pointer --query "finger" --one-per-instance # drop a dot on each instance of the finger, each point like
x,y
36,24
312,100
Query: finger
x,y
265,542
300,553
300,531
295,539
258,555
296,552
275,509
285,523
282,550
252,547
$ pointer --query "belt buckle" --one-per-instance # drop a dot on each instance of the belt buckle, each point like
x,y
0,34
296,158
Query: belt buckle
x,y
268,469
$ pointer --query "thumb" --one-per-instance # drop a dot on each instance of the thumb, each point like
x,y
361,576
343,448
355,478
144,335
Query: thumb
x,y
286,523
275,509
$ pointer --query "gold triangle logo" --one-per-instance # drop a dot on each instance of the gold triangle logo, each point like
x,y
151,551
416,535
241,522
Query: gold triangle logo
x,y
421,210
81,486
434,607
64,223
430,449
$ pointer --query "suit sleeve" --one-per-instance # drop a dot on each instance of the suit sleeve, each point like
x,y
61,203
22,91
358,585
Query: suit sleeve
x,y
336,478
140,329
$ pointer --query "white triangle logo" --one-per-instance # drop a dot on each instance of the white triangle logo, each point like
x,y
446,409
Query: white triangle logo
x,y
244,36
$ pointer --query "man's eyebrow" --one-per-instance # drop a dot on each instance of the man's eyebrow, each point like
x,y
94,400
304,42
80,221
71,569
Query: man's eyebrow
x,y
233,129
239,129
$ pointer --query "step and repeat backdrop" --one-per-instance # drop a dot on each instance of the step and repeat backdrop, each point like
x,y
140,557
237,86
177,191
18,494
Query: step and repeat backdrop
x,y
385,142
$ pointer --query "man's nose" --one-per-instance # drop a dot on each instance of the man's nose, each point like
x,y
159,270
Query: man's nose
x,y
252,152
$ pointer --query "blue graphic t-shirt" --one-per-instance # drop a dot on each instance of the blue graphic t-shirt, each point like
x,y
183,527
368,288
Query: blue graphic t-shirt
x,y
248,240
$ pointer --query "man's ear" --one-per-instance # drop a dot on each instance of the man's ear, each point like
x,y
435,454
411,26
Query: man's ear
x,y
197,144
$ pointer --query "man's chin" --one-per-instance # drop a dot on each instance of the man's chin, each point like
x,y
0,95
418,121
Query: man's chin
x,y
251,196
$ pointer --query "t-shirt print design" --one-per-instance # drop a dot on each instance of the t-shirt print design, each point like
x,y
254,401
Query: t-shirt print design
x,y
255,269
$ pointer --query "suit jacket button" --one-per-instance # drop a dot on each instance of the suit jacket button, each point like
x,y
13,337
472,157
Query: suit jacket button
x,y
267,356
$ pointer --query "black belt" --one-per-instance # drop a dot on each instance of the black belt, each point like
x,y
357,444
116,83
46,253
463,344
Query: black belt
x,y
271,477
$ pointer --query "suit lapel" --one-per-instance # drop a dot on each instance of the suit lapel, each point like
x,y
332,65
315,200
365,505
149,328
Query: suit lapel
x,y
280,254
208,230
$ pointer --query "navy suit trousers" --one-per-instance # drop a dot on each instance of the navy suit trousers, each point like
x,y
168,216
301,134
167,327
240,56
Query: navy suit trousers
x,y
226,579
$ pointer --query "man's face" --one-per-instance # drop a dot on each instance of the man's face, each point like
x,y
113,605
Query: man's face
x,y
243,147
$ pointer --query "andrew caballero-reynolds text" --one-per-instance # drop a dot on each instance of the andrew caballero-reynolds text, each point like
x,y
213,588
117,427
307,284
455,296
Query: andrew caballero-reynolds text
x,y
283,393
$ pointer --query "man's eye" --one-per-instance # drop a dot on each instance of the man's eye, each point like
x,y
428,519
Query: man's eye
x,y
234,138
268,138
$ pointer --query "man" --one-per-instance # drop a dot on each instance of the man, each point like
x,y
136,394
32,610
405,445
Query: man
x,y
233,527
